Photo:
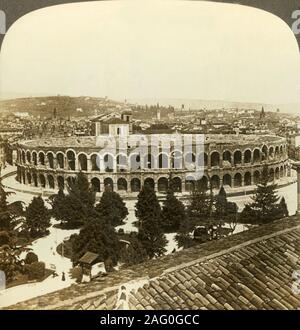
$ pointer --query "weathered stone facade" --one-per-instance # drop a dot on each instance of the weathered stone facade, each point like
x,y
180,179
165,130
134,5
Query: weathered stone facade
x,y
229,160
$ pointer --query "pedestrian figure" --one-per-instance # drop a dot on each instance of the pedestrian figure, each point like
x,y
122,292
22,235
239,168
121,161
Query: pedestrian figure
x,y
63,276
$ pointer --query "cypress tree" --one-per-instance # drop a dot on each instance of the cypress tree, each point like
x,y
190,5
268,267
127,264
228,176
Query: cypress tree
x,y
224,210
200,205
173,212
150,231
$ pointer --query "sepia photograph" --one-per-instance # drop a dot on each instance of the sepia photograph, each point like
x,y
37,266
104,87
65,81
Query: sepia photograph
x,y
150,157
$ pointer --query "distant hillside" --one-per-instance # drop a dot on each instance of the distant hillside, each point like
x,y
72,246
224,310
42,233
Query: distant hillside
x,y
65,106
87,106
195,104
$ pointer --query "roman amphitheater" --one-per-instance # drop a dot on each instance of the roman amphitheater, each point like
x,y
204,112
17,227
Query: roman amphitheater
x,y
234,161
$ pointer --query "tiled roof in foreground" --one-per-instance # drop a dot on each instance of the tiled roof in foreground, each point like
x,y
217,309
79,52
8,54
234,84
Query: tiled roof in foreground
x,y
250,270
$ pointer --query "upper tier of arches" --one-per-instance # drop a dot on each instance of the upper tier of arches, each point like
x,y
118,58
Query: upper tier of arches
x,y
72,160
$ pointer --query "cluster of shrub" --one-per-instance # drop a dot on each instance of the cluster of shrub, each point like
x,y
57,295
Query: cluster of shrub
x,y
18,227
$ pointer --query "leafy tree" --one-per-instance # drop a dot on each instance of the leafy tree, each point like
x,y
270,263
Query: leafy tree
x,y
150,231
75,208
134,253
9,262
35,270
99,237
200,205
112,208
10,213
58,203
199,211
224,210
37,217
265,207
4,238
173,212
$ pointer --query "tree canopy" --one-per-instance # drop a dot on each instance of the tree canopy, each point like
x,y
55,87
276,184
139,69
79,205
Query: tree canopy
x,y
150,232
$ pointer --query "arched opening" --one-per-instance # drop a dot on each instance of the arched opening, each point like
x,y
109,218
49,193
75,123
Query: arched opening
x,y
176,159
35,180
163,161
122,163
135,162
277,152
203,183
215,182
122,184
247,179
227,181
108,161
60,182
70,180
271,152
149,161
271,175
34,158
42,180
51,182
162,184
281,172
281,151
95,161
60,160
189,160
264,152
238,180
215,159
237,158
176,184
277,175
256,156
82,160
247,156
41,158
29,178
95,184
135,185
23,157
50,159
227,158
149,182
28,157
189,184
256,177
71,160
109,184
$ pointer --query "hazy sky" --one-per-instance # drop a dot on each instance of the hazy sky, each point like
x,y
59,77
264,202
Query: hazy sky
x,y
152,49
